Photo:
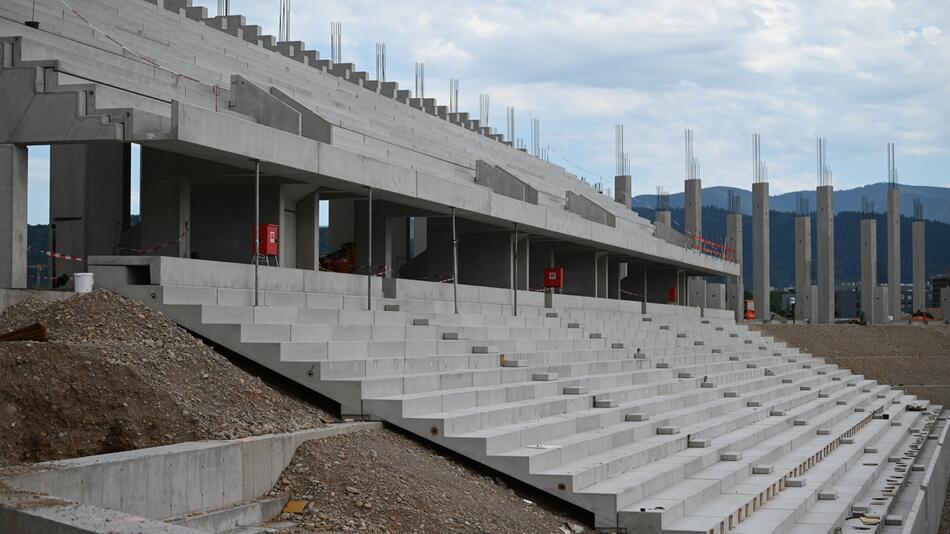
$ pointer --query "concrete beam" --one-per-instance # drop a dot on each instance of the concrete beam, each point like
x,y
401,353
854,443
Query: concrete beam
x,y
308,232
13,224
761,279
265,108
826,254
504,183
589,210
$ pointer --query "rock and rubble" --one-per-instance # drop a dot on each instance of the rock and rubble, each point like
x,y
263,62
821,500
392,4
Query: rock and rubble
x,y
381,481
116,375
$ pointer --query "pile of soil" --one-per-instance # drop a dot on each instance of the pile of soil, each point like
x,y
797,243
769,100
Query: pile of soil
x,y
381,481
116,375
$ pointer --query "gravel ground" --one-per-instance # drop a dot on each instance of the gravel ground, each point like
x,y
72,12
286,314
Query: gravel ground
x,y
382,481
913,357
116,376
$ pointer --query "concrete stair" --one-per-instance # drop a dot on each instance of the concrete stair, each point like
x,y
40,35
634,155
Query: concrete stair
x,y
640,424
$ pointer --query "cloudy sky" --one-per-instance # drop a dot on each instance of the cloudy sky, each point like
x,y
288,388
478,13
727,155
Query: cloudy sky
x,y
858,72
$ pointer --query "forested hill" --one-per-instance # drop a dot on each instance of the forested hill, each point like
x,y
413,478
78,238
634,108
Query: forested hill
x,y
847,244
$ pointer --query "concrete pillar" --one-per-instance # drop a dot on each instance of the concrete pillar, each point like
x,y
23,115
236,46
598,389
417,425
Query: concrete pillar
x,y
419,235
761,282
715,299
881,308
803,303
894,252
603,274
735,290
90,195
388,265
286,230
13,202
485,259
342,219
696,292
869,269
826,254
308,232
693,205
945,303
919,267
665,217
524,261
623,190
165,204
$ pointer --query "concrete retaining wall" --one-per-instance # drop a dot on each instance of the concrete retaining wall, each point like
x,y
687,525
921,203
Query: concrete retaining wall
x,y
175,480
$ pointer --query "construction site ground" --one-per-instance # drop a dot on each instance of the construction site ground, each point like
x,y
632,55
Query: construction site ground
x,y
915,358
116,375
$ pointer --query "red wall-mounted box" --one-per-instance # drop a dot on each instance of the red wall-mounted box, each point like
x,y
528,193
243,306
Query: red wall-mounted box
x,y
267,234
554,277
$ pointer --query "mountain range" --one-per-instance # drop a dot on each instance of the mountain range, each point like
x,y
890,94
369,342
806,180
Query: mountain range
x,y
936,200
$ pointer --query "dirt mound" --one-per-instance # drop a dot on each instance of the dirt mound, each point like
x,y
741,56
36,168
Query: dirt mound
x,y
381,481
117,376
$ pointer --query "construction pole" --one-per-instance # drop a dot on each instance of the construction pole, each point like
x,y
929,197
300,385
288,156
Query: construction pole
x,y
257,225
514,279
369,246
455,263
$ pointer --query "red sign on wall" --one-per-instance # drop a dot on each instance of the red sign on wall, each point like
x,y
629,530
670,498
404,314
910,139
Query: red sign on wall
x,y
554,277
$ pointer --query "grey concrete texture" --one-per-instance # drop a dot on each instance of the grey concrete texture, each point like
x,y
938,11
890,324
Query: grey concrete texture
x,y
127,85
945,303
869,270
803,282
825,228
265,108
735,288
919,266
175,480
693,206
894,253
13,189
623,190
761,270
588,209
504,183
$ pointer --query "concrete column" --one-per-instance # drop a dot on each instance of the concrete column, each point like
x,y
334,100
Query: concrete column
x,y
945,303
869,269
388,224
894,252
735,290
881,309
696,291
603,274
714,295
419,235
826,254
803,303
308,232
90,195
165,203
665,217
286,231
524,262
623,190
342,219
920,267
694,208
13,202
761,282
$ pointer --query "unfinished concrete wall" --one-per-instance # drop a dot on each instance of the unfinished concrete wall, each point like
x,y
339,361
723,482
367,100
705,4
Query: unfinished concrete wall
x,y
13,222
715,295
761,279
696,292
868,269
826,254
803,302
735,289
90,195
894,252
623,190
919,267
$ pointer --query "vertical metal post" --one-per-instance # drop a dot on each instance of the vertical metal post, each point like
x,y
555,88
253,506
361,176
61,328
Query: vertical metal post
x,y
257,225
455,264
514,279
369,246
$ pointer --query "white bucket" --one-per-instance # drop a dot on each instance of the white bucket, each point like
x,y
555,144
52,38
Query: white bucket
x,y
83,282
